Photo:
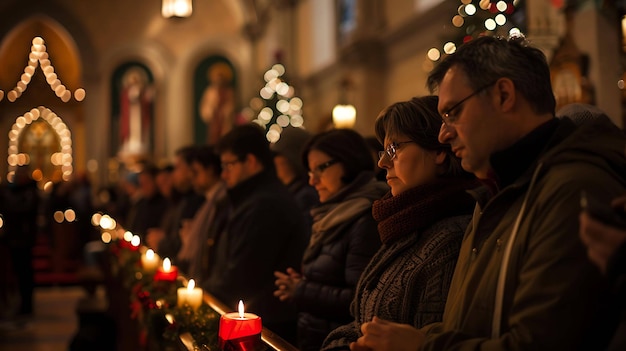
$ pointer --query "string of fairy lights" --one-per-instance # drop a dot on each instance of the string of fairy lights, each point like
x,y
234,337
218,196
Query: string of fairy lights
x,y
476,18
39,57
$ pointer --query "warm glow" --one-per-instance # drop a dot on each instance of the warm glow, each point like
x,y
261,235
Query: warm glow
x,y
150,254
70,215
191,284
128,236
167,265
240,309
79,94
106,237
470,9
449,48
176,8
135,241
501,6
500,19
97,218
344,116
58,216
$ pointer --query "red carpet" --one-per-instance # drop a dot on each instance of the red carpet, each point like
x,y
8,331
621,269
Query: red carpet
x,y
50,267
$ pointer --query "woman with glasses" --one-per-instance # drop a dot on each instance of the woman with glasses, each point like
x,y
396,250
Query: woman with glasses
x,y
421,222
343,236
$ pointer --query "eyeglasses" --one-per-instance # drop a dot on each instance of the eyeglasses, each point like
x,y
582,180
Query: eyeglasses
x,y
317,171
391,150
449,118
227,165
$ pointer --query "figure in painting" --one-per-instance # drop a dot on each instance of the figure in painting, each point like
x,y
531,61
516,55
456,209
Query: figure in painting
x,y
136,94
217,105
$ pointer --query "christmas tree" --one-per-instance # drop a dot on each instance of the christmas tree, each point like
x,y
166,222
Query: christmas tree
x,y
277,108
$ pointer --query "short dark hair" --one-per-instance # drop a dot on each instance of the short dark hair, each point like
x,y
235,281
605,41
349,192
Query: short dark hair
x,y
344,145
418,119
186,153
206,156
247,139
486,59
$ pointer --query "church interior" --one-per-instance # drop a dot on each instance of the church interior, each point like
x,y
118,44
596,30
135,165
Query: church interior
x,y
90,89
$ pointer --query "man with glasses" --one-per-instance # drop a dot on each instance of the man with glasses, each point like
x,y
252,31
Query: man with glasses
x,y
522,281
265,231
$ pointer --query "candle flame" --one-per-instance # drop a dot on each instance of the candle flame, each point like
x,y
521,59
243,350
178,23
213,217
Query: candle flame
x,y
191,284
150,254
167,265
170,318
241,309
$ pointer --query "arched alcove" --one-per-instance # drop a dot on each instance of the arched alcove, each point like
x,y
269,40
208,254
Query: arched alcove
x,y
40,140
31,77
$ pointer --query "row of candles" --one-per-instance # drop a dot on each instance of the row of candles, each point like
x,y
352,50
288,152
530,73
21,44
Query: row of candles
x,y
237,330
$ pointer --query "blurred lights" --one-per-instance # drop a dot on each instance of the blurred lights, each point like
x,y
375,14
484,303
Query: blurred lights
x,y
434,54
490,24
289,108
500,19
344,116
176,8
470,9
106,237
61,158
501,6
68,215
39,57
458,21
449,48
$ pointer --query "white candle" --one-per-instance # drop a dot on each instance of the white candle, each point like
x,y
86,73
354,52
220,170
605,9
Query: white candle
x,y
190,295
150,261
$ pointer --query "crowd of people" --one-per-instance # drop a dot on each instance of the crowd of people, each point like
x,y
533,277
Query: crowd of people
x,y
497,225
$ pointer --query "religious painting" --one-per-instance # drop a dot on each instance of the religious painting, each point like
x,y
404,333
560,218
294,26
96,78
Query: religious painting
x,y
215,99
132,126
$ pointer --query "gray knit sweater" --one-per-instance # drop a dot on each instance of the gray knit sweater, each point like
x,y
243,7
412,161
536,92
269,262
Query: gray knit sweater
x,y
406,282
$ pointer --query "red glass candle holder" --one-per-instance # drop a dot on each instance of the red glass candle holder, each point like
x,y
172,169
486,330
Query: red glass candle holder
x,y
166,276
239,333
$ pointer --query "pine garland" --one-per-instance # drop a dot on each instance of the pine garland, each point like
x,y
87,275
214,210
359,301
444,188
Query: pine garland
x,y
153,303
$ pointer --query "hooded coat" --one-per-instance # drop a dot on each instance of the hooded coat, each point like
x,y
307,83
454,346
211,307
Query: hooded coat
x,y
553,297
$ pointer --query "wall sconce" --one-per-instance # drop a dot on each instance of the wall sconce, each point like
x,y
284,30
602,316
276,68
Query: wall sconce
x,y
176,8
344,114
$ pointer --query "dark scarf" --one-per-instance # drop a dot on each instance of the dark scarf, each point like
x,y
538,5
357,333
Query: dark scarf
x,y
332,218
419,207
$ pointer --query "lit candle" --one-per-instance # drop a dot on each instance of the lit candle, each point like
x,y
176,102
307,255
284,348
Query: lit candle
x,y
167,272
150,261
190,295
239,331
135,242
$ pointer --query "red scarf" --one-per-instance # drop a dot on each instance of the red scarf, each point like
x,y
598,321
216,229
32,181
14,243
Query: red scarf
x,y
420,207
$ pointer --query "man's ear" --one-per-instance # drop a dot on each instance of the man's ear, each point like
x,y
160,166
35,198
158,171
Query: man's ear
x,y
507,94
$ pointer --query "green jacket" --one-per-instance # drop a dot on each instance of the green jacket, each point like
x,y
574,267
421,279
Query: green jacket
x,y
554,297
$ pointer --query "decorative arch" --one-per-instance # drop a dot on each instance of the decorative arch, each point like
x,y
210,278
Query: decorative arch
x,y
41,140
